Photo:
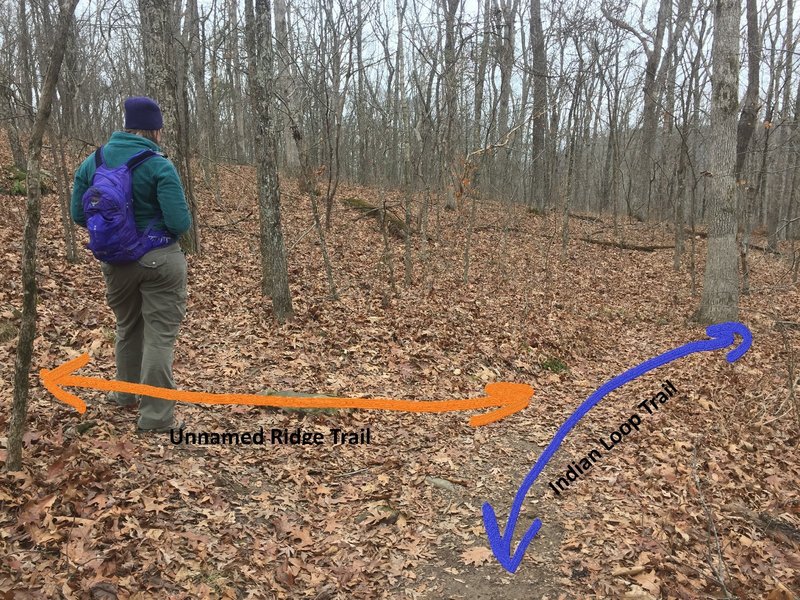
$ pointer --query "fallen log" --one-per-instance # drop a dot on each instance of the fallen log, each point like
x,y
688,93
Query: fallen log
x,y
394,225
589,218
626,246
497,228
772,526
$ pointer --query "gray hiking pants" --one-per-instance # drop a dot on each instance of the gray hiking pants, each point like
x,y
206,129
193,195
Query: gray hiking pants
x,y
148,298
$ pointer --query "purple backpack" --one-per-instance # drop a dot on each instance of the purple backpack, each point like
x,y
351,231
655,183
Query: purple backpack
x,y
108,206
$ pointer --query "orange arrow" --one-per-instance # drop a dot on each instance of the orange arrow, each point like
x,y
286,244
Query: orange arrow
x,y
509,398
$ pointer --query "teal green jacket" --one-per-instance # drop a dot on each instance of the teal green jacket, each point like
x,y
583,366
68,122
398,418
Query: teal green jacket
x,y
157,191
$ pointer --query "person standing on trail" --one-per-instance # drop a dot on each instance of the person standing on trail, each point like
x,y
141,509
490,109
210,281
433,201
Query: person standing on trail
x,y
130,198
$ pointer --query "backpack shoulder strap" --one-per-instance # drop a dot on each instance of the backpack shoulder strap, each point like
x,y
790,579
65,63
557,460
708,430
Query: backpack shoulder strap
x,y
98,158
140,157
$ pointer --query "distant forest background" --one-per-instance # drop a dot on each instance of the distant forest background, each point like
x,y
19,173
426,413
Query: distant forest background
x,y
566,105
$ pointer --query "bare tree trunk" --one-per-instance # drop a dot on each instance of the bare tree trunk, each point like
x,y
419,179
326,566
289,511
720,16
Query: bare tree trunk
x,y
539,175
772,201
362,159
553,144
275,281
650,108
308,186
191,240
334,110
27,330
680,196
750,106
202,103
505,19
67,84
793,179
572,124
307,183
233,67
387,261
788,60
10,119
407,185
667,81
60,165
449,168
744,132
213,99
480,78
26,59
609,166
685,161
287,85
791,144
720,300
468,244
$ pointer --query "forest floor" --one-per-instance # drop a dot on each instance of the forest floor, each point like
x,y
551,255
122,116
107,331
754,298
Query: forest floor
x,y
702,502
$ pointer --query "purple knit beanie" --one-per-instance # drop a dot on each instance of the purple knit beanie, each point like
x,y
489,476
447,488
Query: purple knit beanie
x,y
142,112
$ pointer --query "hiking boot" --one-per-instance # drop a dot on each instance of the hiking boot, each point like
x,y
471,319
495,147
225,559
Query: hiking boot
x,y
115,398
164,429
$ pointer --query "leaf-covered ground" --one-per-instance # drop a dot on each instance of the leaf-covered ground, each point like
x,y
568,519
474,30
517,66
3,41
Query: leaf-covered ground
x,y
705,495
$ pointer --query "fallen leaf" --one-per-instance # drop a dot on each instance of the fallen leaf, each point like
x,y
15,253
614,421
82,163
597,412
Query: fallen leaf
x,y
476,556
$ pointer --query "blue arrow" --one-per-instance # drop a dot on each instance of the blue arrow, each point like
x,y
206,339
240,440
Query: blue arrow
x,y
722,335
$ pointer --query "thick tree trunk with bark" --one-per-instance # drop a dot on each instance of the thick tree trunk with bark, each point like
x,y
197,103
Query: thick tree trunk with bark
x,y
27,330
158,32
275,279
720,300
